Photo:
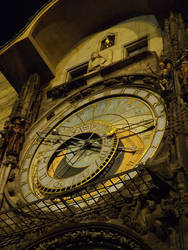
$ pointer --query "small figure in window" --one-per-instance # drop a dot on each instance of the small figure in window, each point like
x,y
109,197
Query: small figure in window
x,y
108,42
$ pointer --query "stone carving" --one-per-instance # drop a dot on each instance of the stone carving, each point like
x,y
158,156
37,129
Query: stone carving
x,y
147,216
165,75
182,68
175,37
64,89
12,145
2,144
23,114
159,211
99,60
92,237
165,78
4,174
150,218
96,62
182,65
129,213
15,136
27,105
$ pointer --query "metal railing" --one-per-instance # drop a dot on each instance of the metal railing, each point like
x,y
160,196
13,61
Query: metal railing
x,y
95,197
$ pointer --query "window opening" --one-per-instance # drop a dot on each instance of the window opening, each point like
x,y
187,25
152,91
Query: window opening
x,y
137,47
108,42
78,71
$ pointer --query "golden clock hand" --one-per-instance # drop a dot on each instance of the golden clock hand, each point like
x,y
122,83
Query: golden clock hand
x,y
136,125
68,153
140,132
125,150
58,140
92,147
83,147
114,130
65,171
67,167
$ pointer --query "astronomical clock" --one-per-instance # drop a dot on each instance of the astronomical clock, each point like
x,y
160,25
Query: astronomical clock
x,y
94,152
103,134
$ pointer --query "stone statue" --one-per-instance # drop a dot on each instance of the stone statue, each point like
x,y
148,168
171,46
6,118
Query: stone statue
x,y
23,114
4,174
130,212
150,219
99,60
182,68
96,62
182,65
15,136
164,76
28,102
13,141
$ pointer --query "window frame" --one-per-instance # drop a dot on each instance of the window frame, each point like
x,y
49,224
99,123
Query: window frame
x,y
75,69
136,47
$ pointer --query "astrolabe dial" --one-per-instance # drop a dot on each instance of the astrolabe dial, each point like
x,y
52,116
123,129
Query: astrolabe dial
x,y
104,134
84,152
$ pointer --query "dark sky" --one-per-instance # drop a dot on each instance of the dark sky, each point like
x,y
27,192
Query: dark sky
x,y
15,14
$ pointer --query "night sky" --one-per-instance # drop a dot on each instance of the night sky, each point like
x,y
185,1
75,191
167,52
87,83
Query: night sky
x,y
15,14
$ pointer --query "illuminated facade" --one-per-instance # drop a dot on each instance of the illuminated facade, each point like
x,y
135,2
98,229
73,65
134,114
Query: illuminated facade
x,y
93,153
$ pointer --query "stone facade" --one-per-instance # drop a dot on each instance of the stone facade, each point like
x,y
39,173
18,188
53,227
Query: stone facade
x,y
150,212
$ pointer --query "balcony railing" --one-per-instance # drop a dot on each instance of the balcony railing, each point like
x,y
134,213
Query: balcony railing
x,y
80,204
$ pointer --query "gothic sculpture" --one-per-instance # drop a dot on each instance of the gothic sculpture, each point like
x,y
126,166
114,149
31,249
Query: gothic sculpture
x,y
96,62
24,112
164,76
15,136
182,65
182,68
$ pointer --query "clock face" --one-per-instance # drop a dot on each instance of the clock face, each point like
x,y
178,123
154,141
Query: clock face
x,y
105,134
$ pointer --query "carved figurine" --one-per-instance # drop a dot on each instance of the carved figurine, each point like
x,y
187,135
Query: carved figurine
x,y
96,62
15,136
182,68
164,76
4,174
182,65
28,103
25,110
150,219
108,42
129,213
